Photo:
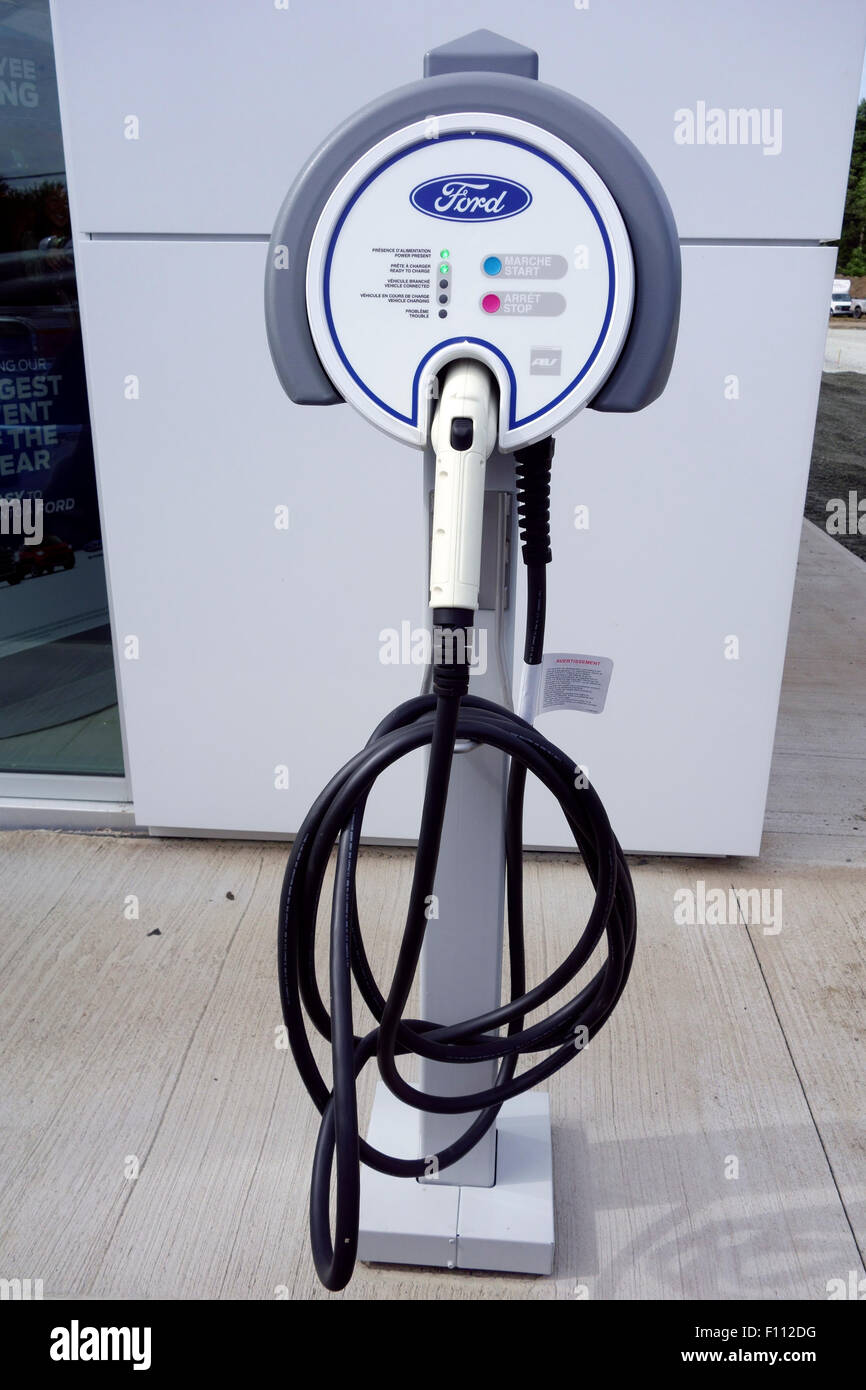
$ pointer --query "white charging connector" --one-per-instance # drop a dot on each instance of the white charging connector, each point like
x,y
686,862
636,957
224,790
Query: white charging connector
x,y
463,434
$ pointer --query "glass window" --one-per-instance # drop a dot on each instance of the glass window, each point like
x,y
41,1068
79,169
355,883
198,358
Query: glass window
x,y
58,700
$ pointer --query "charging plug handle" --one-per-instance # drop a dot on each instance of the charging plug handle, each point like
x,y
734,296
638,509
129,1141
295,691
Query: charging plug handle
x,y
464,435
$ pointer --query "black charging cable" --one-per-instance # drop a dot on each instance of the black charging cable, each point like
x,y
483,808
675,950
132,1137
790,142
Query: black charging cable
x,y
437,720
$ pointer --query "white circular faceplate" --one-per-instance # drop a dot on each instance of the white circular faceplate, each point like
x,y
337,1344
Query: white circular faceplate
x,y
470,235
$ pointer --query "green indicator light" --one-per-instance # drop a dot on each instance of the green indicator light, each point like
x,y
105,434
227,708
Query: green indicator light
x,y
443,255
444,268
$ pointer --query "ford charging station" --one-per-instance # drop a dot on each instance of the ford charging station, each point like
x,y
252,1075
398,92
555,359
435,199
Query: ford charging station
x,y
469,261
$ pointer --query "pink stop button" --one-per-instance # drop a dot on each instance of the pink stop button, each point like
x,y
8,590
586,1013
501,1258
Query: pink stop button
x,y
490,303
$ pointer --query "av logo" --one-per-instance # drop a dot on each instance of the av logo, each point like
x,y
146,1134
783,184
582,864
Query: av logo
x,y
545,361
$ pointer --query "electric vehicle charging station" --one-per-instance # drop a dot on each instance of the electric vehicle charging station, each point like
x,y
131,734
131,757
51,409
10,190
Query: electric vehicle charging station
x,y
469,262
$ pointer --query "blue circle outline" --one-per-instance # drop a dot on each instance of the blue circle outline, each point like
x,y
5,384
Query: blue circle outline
x,y
412,419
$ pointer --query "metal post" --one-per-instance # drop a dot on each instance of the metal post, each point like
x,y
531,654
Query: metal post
x,y
494,1209
461,964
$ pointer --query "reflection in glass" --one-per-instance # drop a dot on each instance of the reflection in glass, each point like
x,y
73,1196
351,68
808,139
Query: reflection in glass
x,y
58,700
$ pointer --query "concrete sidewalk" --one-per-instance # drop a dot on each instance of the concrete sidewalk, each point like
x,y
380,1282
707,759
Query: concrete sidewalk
x,y
708,1144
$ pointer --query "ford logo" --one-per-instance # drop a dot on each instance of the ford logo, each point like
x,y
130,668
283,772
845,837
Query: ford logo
x,y
470,198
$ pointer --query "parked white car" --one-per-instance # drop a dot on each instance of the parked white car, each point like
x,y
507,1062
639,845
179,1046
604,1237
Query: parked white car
x,y
840,299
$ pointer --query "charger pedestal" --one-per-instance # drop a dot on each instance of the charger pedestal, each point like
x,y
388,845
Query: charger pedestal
x,y
493,1209
507,1227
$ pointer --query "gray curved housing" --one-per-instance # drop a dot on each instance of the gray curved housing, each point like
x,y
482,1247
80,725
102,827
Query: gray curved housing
x,y
459,83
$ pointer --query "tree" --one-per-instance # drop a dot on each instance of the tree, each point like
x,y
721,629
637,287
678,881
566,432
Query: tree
x,y
853,237
855,264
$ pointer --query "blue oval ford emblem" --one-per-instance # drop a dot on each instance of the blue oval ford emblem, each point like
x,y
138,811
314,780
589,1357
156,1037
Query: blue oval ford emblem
x,y
470,198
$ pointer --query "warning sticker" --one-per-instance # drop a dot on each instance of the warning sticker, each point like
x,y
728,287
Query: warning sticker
x,y
572,681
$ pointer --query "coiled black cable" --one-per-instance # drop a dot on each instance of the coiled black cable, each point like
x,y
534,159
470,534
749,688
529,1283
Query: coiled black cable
x,y
337,816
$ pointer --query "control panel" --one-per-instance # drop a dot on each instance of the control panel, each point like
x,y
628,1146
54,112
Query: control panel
x,y
470,235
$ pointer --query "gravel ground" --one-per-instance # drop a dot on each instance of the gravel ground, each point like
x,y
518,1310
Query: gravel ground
x,y
838,462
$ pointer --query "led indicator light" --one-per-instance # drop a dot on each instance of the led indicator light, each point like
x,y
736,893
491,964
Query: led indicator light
x,y
443,255
444,269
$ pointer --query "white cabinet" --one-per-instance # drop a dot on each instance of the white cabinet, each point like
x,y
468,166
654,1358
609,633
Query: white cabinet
x,y
259,648
231,97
